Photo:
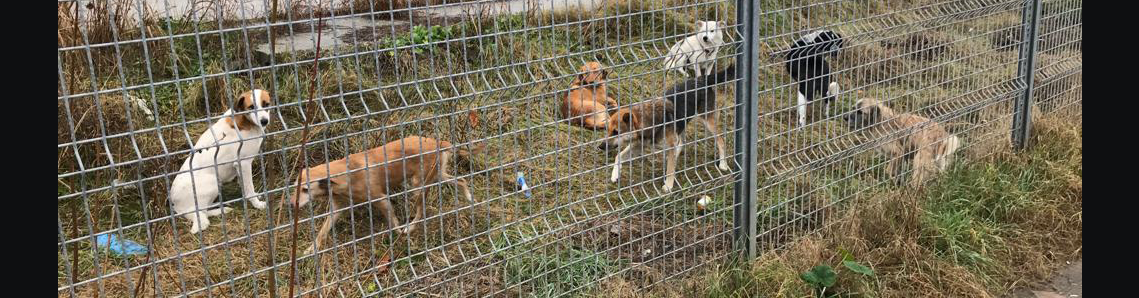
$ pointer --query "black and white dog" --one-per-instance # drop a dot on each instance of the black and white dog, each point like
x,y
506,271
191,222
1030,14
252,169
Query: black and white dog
x,y
807,67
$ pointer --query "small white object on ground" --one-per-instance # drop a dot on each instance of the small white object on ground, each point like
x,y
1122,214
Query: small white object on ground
x,y
703,202
141,104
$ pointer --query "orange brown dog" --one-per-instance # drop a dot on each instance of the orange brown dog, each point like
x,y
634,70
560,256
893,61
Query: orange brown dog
x,y
930,148
372,174
587,103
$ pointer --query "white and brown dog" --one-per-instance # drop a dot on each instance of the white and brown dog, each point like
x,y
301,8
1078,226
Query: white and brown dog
x,y
223,152
930,148
373,174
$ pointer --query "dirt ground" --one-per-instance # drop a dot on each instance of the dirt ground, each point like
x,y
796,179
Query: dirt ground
x,y
1069,283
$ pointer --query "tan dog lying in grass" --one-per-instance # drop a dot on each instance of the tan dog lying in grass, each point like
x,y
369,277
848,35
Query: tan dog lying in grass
x,y
414,160
586,103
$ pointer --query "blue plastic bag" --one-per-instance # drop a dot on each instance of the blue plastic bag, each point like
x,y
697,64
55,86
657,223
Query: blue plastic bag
x,y
522,182
119,247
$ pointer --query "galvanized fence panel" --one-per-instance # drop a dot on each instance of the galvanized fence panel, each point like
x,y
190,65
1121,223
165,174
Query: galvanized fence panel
x,y
140,81
954,62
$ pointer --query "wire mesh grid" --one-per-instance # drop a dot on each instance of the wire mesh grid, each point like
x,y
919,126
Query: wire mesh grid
x,y
954,62
140,81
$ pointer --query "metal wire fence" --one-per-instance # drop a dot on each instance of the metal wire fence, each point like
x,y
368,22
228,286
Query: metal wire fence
x,y
155,121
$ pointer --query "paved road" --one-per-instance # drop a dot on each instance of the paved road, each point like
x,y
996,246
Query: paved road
x,y
1068,283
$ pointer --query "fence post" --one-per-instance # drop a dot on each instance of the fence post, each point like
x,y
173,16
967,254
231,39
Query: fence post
x,y
1022,121
746,122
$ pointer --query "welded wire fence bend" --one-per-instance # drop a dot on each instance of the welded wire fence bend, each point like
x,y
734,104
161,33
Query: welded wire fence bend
x,y
524,121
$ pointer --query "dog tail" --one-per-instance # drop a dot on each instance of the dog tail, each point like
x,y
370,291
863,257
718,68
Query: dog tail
x,y
728,74
951,145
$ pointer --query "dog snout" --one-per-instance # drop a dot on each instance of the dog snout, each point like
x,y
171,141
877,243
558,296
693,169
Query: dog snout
x,y
705,38
299,200
603,146
264,121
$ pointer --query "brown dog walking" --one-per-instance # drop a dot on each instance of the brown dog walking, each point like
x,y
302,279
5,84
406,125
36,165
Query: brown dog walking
x,y
415,160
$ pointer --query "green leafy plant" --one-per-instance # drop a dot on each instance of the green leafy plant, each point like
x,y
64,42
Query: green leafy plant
x,y
824,277
509,22
858,268
821,277
421,35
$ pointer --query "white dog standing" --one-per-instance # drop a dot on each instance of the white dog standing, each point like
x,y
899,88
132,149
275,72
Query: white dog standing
x,y
698,50
239,134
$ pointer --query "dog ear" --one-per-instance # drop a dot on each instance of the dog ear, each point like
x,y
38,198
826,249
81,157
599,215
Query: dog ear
x,y
327,184
629,119
238,104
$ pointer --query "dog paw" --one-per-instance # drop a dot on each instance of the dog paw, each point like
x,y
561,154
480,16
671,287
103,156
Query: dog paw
x,y
667,188
225,210
724,166
257,204
199,227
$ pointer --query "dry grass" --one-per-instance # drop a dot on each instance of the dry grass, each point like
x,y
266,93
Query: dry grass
x,y
982,231
561,222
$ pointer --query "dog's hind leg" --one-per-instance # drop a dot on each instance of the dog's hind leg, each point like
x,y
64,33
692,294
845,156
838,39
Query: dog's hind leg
x,y
894,169
218,211
802,108
923,166
952,143
711,121
459,183
832,94
199,215
674,142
